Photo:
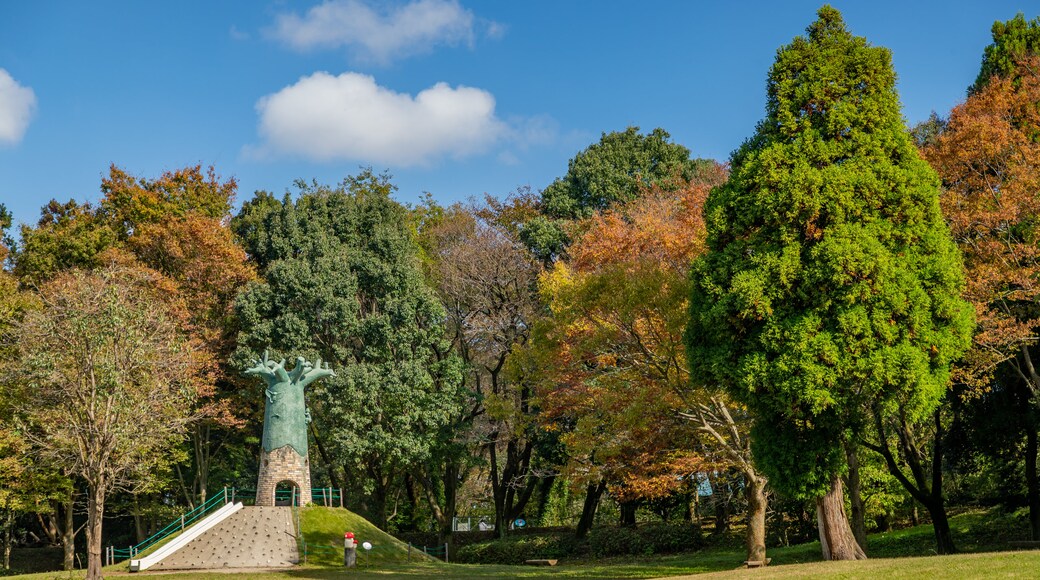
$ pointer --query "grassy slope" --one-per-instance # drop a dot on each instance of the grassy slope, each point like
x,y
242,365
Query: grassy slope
x,y
323,530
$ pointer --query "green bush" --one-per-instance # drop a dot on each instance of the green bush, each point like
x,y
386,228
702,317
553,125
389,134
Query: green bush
x,y
647,539
517,550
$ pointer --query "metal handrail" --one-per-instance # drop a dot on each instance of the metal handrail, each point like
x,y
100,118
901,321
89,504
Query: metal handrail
x,y
177,525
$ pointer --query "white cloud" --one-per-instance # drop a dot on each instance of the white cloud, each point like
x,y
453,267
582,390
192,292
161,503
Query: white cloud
x,y
380,36
17,105
324,117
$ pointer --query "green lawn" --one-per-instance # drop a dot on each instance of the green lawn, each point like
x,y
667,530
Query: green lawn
x,y
982,532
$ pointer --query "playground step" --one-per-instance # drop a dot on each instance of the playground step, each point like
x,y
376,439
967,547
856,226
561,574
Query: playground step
x,y
252,537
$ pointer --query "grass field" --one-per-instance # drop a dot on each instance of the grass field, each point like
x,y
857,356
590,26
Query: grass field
x,y
901,554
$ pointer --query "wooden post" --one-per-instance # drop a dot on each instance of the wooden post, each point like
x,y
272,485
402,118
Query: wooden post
x,y
182,522
445,552
341,497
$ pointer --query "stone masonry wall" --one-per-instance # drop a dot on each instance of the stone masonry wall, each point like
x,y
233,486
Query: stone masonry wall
x,y
283,464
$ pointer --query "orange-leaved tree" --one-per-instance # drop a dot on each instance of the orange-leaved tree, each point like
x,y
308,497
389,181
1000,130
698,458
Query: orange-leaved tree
x,y
619,311
988,157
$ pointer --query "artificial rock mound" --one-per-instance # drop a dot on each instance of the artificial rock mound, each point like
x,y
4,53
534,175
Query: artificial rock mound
x,y
252,537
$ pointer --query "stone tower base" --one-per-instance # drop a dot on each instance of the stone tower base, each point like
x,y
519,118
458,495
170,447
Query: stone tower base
x,y
283,464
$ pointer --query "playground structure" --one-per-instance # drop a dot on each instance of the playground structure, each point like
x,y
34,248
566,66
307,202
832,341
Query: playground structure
x,y
223,533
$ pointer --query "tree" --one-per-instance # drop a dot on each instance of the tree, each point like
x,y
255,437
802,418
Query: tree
x,y
1012,41
620,375
111,379
612,171
831,284
177,225
487,281
989,160
341,280
199,256
68,235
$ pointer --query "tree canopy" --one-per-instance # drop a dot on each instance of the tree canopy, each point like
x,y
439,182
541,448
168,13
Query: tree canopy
x,y
610,172
341,280
1012,41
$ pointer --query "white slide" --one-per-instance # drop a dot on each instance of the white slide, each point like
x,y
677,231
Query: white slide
x,y
182,540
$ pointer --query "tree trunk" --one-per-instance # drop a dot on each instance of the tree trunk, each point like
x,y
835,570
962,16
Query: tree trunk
x,y
588,510
138,522
720,501
68,533
928,491
836,539
95,511
8,524
755,490
1032,486
859,526
628,514
941,526
545,486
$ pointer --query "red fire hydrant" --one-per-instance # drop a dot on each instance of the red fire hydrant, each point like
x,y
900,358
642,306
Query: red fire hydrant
x,y
349,550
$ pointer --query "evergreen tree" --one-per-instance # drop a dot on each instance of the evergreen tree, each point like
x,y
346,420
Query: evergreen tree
x,y
1013,41
831,285
341,280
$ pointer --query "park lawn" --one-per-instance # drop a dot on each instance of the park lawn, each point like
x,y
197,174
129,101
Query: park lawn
x,y
698,566
898,554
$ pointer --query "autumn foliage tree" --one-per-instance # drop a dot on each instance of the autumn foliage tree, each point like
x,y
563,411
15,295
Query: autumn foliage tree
x,y
619,387
108,383
487,281
988,158
177,225
831,285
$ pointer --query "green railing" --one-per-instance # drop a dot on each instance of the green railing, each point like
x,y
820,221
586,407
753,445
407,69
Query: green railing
x,y
114,554
322,496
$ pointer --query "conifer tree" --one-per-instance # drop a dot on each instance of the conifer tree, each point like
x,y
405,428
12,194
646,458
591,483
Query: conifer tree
x,y
831,285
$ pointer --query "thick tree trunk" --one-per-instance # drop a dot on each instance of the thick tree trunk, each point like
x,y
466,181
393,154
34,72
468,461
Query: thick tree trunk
x,y
545,486
1032,485
859,526
95,511
588,511
836,539
755,491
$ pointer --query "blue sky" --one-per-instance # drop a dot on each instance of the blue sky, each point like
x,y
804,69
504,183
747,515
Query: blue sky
x,y
456,98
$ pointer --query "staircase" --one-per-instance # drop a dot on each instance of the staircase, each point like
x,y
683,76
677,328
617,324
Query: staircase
x,y
252,537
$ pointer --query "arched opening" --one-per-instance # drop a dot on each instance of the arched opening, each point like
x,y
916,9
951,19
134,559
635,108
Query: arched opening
x,y
287,493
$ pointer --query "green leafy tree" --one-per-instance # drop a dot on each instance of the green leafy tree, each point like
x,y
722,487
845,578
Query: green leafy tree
x,y
106,384
341,279
831,285
1012,40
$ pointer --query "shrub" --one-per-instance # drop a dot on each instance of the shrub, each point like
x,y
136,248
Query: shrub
x,y
657,538
516,550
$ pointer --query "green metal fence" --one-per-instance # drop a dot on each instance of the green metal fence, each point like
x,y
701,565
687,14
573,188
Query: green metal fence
x,y
114,554
322,496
